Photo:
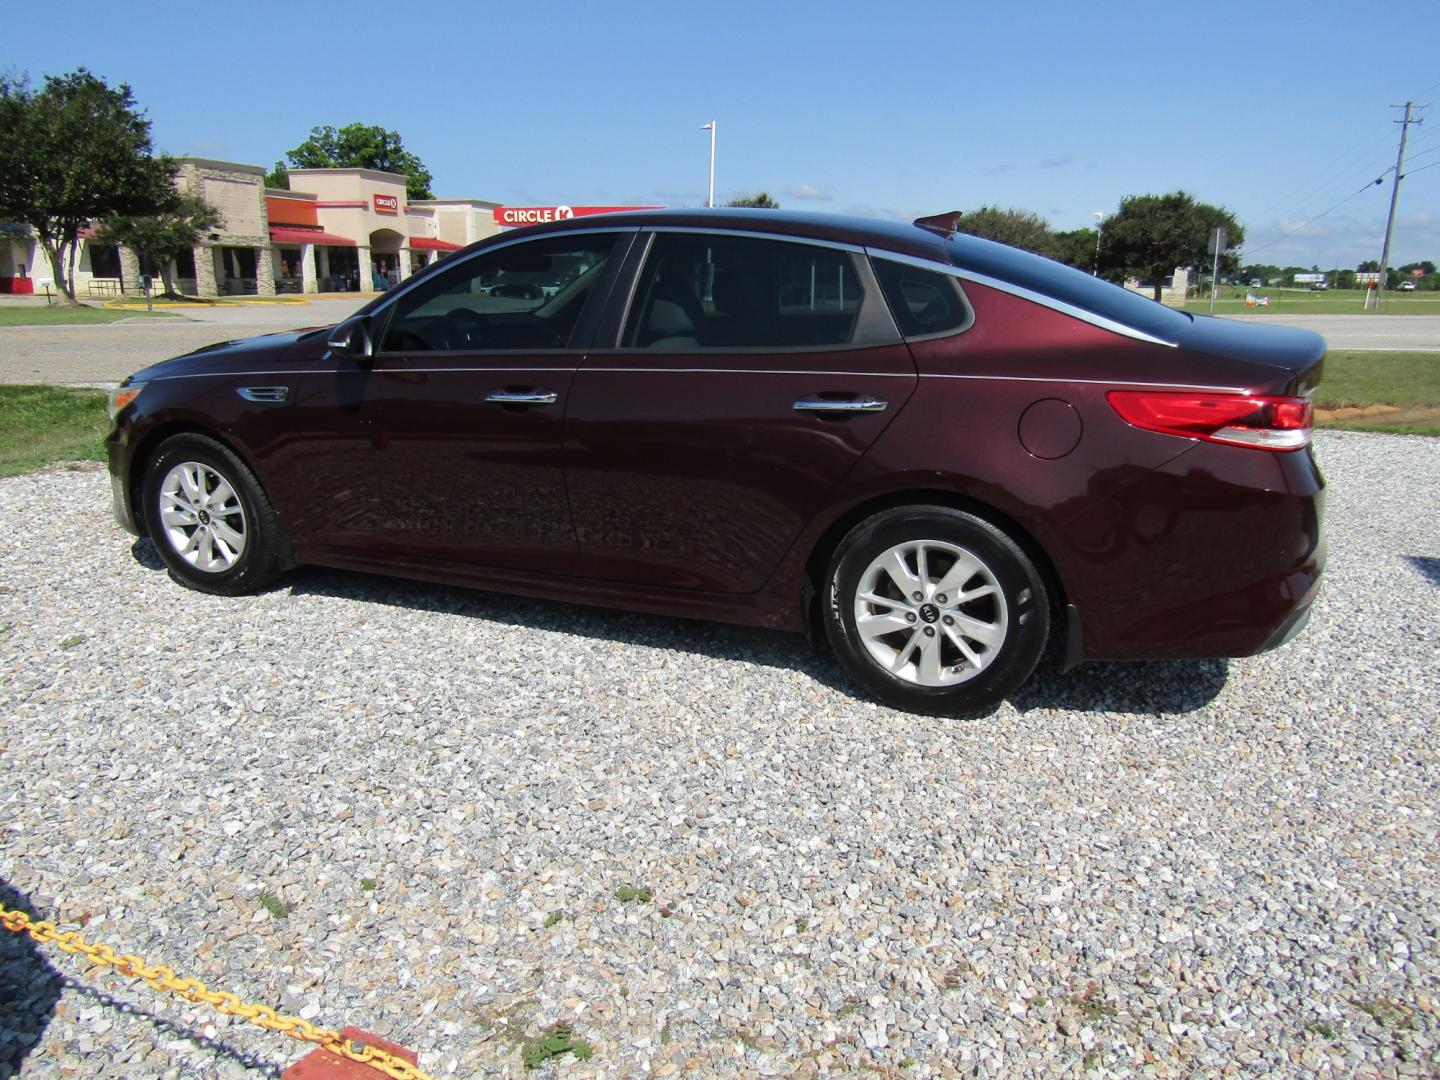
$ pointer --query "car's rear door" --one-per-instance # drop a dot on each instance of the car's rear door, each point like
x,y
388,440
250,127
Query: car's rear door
x,y
445,446
748,375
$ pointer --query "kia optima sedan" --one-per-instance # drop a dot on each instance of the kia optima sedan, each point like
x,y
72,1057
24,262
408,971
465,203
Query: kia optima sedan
x,y
933,452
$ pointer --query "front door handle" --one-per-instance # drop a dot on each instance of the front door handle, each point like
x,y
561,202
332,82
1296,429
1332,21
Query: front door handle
x,y
842,405
522,397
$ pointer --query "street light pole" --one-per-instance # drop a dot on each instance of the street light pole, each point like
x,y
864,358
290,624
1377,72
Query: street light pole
x,y
1099,228
711,126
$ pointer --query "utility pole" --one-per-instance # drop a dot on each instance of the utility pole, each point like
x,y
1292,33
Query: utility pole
x,y
1380,281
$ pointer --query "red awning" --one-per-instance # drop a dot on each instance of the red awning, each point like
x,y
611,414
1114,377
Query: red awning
x,y
429,243
308,236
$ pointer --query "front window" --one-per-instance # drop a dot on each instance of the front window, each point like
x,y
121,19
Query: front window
x,y
525,296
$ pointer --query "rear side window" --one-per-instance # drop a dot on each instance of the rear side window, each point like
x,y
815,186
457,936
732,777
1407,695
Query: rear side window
x,y
922,301
702,291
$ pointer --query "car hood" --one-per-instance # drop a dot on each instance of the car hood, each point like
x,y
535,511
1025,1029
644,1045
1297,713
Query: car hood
x,y
242,355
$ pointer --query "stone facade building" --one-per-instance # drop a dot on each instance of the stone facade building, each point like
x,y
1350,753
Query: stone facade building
x,y
334,230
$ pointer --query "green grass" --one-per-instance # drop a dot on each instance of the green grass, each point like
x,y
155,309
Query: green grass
x,y
558,1041
628,894
42,425
277,908
1355,377
1408,380
1291,301
32,315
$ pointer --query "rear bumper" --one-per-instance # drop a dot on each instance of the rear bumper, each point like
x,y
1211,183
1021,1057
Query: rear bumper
x,y
1218,554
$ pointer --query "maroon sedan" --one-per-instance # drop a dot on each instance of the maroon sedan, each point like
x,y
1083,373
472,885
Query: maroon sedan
x,y
931,450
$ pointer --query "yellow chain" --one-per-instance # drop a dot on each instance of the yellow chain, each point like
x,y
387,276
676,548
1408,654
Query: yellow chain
x,y
160,977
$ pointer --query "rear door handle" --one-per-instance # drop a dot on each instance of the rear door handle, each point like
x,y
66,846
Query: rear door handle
x,y
522,397
844,405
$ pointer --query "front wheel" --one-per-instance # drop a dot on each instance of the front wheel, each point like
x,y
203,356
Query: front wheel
x,y
935,610
209,518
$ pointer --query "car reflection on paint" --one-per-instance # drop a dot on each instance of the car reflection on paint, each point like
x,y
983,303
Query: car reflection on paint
x,y
935,453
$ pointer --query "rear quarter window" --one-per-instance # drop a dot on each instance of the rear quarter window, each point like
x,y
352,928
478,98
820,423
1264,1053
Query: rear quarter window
x,y
923,302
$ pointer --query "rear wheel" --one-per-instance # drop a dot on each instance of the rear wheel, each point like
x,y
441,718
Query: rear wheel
x,y
935,610
209,518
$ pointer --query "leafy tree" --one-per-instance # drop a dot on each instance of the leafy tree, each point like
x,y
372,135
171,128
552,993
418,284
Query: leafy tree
x,y
1151,235
761,199
166,235
1075,248
1425,266
355,146
72,151
1019,228
1369,266
1345,279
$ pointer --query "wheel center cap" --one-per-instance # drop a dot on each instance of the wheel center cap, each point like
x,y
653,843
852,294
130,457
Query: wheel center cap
x,y
929,613
204,517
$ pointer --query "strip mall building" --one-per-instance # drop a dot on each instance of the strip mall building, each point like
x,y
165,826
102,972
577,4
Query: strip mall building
x,y
334,230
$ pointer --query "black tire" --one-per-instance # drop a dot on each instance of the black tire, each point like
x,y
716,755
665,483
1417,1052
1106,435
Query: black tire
x,y
256,562
942,670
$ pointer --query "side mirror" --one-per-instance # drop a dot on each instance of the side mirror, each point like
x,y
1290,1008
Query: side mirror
x,y
352,339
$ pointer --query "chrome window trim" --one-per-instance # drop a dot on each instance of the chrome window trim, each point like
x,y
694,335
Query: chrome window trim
x,y
1023,293
755,234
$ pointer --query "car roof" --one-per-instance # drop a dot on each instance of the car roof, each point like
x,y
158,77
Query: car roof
x,y
903,238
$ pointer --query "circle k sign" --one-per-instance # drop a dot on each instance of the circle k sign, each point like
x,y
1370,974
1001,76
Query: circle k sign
x,y
536,215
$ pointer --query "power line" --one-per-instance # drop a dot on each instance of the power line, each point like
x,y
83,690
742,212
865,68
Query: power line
x,y
1249,252
1316,189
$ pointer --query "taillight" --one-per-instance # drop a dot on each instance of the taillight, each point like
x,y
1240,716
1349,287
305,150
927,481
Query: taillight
x,y
1266,423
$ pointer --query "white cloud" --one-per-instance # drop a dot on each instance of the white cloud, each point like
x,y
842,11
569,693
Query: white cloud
x,y
808,191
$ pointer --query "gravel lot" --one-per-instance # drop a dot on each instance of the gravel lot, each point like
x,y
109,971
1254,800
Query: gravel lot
x,y
1158,869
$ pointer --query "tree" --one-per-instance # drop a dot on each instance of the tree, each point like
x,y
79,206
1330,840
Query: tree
x,y
1151,235
355,146
1075,248
166,235
1018,228
71,152
761,199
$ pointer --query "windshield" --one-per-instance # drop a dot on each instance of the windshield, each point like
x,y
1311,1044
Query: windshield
x,y
1066,284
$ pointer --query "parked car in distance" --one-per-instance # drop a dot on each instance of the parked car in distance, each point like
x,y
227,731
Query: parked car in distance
x,y
1407,286
932,452
1318,286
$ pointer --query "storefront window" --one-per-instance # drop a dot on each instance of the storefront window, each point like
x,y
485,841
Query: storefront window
x,y
104,260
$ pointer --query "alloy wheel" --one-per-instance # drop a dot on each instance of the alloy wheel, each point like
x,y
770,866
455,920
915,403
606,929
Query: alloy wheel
x,y
931,612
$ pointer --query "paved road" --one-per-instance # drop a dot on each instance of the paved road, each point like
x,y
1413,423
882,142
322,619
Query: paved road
x,y
108,352
1419,333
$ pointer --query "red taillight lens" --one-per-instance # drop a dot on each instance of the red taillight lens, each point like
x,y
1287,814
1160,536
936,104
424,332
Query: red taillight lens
x,y
1266,423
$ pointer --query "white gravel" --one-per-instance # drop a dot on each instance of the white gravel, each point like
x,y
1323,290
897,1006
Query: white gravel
x,y
1153,870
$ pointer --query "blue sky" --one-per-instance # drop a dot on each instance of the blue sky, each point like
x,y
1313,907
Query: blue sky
x,y
1276,112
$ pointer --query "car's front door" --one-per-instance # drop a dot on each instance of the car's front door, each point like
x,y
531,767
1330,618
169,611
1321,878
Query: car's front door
x,y
445,445
750,376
